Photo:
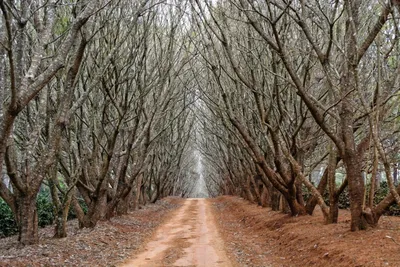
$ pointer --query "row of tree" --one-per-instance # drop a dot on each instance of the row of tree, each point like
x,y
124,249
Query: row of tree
x,y
291,87
94,105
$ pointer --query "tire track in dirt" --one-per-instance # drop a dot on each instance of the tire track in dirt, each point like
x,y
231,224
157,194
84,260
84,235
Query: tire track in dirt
x,y
189,238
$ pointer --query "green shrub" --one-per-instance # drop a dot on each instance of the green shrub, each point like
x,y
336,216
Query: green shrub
x,y
45,207
7,222
380,194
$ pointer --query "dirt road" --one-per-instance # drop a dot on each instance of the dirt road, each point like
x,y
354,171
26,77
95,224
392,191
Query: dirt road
x,y
189,238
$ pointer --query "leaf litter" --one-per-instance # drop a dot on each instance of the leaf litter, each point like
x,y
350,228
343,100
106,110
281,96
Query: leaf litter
x,y
108,244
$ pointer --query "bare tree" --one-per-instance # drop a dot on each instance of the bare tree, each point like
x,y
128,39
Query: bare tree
x,y
31,65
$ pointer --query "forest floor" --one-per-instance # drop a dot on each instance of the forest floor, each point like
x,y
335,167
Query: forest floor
x,y
108,244
222,232
258,236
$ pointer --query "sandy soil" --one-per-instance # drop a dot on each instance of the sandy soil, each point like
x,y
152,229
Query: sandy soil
x,y
261,237
189,238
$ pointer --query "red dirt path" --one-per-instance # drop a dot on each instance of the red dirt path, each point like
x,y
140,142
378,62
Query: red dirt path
x,y
189,238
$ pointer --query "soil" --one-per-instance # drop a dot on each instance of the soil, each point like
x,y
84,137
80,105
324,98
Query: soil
x,y
258,236
108,244
189,238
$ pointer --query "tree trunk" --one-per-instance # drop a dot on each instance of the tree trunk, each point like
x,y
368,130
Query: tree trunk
x,y
313,201
111,206
356,191
284,205
295,207
96,210
120,202
123,204
373,180
258,188
333,198
155,195
351,159
333,210
138,192
60,230
142,196
247,188
299,193
80,214
265,198
275,199
27,220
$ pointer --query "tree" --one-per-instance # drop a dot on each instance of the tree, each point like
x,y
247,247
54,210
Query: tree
x,y
316,78
31,66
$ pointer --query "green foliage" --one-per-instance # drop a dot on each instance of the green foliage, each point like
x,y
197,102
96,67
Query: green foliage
x,y
7,223
380,194
45,207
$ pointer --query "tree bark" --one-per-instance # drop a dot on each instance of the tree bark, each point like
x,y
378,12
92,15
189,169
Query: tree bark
x,y
356,191
313,200
138,191
27,220
60,230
